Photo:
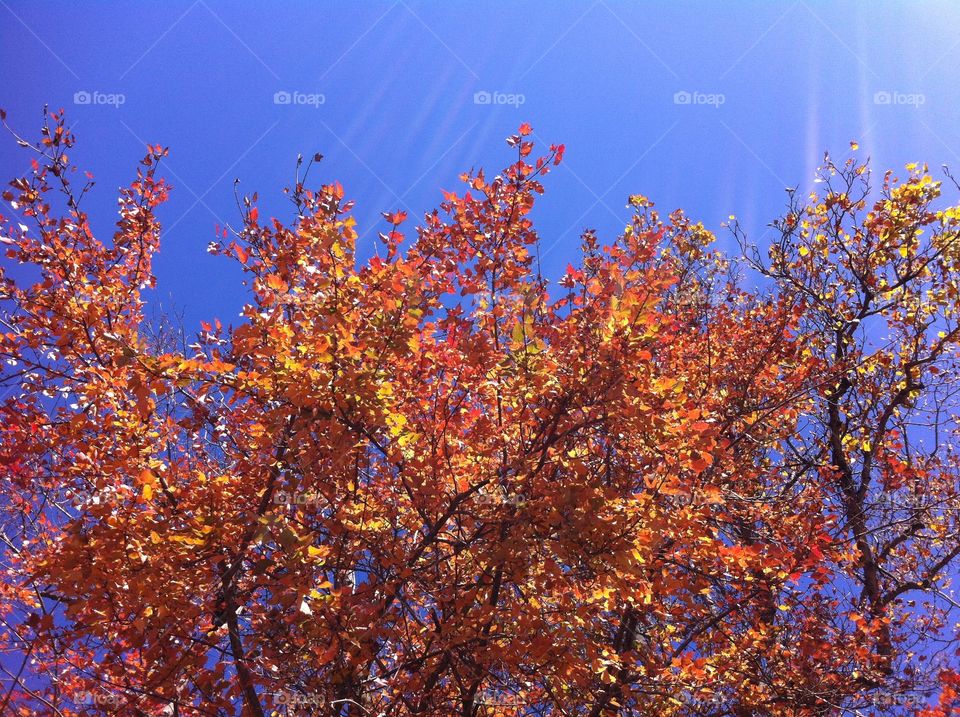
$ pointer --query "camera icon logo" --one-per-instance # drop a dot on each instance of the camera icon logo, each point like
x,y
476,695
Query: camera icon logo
x,y
883,97
482,98
682,98
82,98
282,98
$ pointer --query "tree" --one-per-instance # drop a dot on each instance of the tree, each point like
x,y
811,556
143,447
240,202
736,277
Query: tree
x,y
431,483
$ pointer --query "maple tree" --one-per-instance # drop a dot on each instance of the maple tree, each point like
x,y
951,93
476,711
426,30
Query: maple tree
x,y
431,483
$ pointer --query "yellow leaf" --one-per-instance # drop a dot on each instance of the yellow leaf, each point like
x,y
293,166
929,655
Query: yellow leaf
x,y
396,422
325,585
147,491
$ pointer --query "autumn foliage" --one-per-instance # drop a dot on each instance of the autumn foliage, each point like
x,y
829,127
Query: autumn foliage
x,y
433,483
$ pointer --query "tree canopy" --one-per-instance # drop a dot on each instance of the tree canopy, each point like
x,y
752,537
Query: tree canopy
x,y
432,482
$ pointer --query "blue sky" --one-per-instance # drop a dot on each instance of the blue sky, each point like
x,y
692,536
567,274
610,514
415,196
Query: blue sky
x,y
708,106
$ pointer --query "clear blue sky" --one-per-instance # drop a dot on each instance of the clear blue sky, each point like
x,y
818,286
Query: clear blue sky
x,y
772,85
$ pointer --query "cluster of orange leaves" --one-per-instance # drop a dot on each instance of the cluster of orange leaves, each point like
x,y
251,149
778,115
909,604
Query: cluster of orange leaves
x,y
427,483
